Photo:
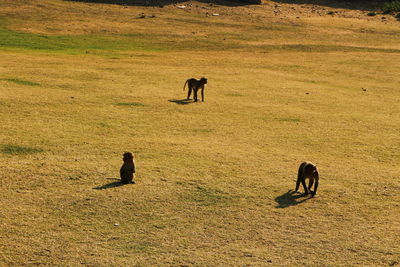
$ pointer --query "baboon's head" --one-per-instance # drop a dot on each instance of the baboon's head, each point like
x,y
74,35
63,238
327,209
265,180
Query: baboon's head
x,y
203,80
128,157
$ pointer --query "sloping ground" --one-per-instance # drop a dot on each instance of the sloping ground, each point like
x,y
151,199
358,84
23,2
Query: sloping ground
x,y
81,83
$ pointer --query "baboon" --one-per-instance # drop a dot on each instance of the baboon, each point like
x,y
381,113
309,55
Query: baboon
x,y
127,171
310,171
195,85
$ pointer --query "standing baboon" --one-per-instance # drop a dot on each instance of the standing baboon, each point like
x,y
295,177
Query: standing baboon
x,y
127,171
195,85
310,171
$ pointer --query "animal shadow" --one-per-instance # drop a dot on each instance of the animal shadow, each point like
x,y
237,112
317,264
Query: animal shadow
x,y
290,198
181,101
116,183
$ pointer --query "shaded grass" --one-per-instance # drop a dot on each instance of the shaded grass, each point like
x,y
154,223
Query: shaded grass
x,y
389,7
325,48
22,82
19,150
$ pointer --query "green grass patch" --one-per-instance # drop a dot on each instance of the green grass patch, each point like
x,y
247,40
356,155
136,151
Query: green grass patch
x,y
206,196
139,247
390,7
22,82
71,43
130,104
19,150
104,125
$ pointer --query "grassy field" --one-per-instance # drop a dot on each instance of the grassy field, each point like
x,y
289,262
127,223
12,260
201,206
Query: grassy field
x,y
81,83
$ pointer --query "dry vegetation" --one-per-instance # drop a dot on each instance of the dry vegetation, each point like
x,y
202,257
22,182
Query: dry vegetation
x,y
82,83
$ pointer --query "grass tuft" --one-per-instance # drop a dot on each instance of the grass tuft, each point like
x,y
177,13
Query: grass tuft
x,y
104,125
22,82
130,104
19,150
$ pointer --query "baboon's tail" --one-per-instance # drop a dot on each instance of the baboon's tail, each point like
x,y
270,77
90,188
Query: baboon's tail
x,y
185,85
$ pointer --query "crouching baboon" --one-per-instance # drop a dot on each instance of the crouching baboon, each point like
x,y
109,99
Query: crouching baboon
x,y
310,171
195,85
127,171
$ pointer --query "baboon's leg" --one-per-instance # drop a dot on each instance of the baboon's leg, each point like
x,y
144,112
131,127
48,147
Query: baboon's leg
x,y
303,182
315,187
202,94
189,92
195,94
310,183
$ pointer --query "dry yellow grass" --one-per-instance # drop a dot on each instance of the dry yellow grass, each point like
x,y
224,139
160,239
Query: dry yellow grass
x,y
82,83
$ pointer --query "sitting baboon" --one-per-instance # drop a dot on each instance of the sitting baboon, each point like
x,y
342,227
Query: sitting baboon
x,y
195,85
127,171
310,171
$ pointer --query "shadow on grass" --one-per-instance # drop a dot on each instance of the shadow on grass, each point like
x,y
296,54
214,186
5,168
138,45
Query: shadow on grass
x,y
162,3
290,198
116,183
181,101
354,5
